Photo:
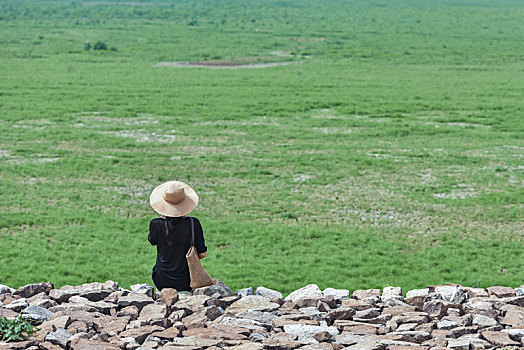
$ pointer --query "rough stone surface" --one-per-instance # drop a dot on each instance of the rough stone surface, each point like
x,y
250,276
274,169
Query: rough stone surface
x,y
311,290
268,293
36,313
339,294
143,288
245,291
101,316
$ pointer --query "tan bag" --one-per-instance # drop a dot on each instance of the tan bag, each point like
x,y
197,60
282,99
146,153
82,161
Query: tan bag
x,y
197,274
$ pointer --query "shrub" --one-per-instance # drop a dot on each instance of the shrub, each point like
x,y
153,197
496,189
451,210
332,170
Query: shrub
x,y
100,45
15,329
87,46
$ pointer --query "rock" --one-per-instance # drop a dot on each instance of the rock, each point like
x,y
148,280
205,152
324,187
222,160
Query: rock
x,y
391,292
484,321
6,290
30,290
16,305
499,338
446,325
501,292
252,325
311,290
87,344
222,291
452,294
254,303
476,293
36,313
129,311
518,291
338,294
268,293
417,293
515,334
77,327
195,341
514,319
114,324
367,314
459,344
362,294
135,299
72,307
191,304
437,308
245,291
153,312
59,337
169,296
143,288
218,331
342,313
264,318
139,333
307,332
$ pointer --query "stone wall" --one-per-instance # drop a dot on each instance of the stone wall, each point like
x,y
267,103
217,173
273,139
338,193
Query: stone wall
x,y
104,316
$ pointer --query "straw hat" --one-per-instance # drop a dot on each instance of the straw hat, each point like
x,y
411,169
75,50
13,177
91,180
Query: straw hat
x,y
173,198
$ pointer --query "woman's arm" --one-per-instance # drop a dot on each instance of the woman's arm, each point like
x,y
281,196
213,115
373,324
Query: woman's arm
x,y
202,255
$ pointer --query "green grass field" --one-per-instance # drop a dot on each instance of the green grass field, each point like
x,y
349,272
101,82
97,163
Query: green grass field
x,y
390,152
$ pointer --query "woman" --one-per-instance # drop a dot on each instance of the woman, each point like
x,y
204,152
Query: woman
x,y
171,233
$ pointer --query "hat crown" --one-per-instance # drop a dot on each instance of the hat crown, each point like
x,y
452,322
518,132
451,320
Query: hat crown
x,y
174,193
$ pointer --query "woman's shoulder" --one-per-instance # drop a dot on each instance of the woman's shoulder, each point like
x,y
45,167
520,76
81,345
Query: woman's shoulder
x,y
156,221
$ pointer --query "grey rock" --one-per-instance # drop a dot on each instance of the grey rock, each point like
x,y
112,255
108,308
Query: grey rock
x,y
59,337
311,290
447,325
459,344
252,302
306,332
257,336
245,291
144,288
265,318
153,312
252,325
36,313
17,305
137,299
392,292
453,294
6,290
518,292
515,334
222,291
268,293
30,290
484,321
338,294
362,294
417,293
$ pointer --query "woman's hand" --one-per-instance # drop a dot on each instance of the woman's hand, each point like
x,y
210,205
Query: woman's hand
x,y
202,255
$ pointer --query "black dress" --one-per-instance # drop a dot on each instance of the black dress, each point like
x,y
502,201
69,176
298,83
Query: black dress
x,y
170,270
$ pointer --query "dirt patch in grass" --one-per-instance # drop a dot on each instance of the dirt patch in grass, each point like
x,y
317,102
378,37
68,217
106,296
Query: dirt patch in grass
x,y
227,64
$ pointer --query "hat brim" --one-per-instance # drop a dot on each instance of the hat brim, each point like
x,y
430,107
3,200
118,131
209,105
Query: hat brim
x,y
173,210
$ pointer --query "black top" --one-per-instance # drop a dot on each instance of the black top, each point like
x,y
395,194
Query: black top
x,y
170,270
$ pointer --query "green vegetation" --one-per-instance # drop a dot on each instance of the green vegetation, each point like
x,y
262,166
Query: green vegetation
x,y
15,330
390,154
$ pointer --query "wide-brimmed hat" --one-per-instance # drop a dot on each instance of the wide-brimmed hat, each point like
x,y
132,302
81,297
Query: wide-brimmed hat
x,y
173,198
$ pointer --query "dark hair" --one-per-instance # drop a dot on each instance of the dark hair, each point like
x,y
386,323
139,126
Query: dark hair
x,y
170,229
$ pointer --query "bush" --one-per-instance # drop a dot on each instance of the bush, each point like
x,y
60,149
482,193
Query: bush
x,y
15,329
87,46
100,45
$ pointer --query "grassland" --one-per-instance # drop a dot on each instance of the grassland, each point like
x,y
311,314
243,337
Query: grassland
x,y
391,153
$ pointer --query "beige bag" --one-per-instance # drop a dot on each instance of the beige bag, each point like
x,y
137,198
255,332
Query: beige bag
x,y
197,274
